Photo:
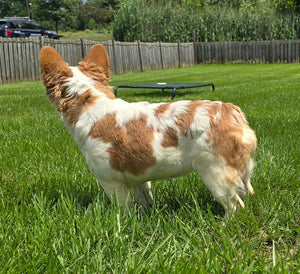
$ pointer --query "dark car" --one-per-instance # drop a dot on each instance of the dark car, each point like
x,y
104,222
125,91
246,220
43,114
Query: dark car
x,y
24,27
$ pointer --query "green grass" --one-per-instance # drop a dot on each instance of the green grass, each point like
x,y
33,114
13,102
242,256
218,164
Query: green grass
x,y
91,35
55,218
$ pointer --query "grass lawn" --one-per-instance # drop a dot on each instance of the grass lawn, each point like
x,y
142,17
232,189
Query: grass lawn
x,y
92,35
55,218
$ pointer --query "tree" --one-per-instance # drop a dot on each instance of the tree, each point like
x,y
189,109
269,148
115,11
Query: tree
x,y
287,5
10,9
60,12
96,11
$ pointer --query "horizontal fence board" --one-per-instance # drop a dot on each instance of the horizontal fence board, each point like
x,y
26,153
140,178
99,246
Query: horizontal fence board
x,y
19,58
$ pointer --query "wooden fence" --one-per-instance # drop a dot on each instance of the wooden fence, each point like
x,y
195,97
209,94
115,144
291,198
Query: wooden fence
x,y
276,51
19,58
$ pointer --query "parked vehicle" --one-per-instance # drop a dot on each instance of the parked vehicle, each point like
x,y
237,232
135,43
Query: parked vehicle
x,y
24,27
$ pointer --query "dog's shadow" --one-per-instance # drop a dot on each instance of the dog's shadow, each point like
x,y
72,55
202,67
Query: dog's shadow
x,y
173,202
79,194
168,198
206,205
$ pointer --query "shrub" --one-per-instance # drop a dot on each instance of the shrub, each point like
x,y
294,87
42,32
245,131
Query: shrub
x,y
150,22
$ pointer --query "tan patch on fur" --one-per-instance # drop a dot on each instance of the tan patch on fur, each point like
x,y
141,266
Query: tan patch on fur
x,y
185,120
253,144
107,90
131,148
231,175
170,138
72,107
162,109
212,108
226,136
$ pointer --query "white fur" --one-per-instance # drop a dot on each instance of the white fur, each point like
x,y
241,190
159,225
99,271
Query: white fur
x,y
79,83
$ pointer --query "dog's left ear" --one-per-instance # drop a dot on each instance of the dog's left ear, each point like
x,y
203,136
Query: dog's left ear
x,y
97,56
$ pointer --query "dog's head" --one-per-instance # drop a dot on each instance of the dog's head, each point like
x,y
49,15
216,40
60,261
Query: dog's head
x,y
63,82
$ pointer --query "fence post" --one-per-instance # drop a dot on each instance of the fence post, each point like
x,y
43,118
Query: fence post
x,y
114,56
161,56
194,45
199,53
289,56
140,55
41,38
272,52
82,48
225,53
178,47
297,50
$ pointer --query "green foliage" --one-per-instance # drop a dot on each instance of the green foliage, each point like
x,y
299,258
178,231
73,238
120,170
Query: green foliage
x,y
139,20
94,13
168,21
92,24
287,5
127,23
12,8
63,14
54,218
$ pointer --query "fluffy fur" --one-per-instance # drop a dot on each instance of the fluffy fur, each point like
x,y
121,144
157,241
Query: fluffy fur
x,y
128,144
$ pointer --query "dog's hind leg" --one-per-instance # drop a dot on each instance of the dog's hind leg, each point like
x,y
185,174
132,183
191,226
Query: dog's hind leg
x,y
143,194
246,177
118,190
213,173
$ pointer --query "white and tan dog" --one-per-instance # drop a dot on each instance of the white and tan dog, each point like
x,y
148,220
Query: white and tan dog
x,y
128,144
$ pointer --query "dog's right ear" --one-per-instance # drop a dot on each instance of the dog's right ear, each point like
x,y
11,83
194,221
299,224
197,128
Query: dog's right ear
x,y
52,63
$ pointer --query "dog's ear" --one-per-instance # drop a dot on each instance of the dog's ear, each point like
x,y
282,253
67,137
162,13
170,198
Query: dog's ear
x,y
52,63
97,56
55,72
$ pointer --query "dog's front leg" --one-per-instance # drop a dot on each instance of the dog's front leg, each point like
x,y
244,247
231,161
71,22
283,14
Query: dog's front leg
x,y
118,190
143,194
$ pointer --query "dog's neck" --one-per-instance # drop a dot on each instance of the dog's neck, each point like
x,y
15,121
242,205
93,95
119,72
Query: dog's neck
x,y
81,93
